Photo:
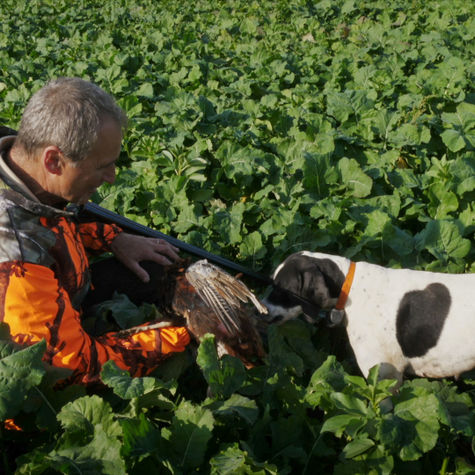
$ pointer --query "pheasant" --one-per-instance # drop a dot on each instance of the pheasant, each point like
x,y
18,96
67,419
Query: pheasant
x,y
212,301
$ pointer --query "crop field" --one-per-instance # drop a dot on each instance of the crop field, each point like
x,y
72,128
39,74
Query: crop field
x,y
257,129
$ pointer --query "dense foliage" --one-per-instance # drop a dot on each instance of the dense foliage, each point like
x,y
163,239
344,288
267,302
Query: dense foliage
x,y
258,129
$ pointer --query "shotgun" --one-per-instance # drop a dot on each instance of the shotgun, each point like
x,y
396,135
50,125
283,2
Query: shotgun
x,y
99,213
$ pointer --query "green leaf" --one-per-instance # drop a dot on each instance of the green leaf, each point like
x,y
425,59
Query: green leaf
x,y
349,404
281,354
91,440
410,134
234,461
145,90
252,246
82,417
224,376
443,201
127,387
413,428
454,139
443,240
229,462
236,405
140,436
325,380
338,424
354,178
463,122
357,447
119,309
19,372
375,460
188,434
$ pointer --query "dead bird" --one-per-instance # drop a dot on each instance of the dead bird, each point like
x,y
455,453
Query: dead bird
x,y
207,299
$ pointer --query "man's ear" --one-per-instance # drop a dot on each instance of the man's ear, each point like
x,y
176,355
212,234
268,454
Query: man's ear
x,y
53,160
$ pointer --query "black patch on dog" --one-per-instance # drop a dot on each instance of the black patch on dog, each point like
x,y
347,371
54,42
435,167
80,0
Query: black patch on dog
x,y
420,319
315,280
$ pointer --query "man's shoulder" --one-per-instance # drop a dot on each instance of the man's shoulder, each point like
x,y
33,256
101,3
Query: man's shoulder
x,y
23,236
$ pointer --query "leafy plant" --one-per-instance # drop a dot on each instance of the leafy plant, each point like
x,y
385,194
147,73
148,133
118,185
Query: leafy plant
x,y
258,129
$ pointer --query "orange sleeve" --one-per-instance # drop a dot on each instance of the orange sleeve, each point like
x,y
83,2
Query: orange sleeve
x,y
37,307
98,236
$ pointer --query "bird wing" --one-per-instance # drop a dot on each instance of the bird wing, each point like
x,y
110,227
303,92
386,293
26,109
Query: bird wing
x,y
222,292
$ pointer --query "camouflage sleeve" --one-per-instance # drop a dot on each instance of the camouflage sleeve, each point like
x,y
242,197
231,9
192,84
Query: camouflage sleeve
x,y
97,237
35,306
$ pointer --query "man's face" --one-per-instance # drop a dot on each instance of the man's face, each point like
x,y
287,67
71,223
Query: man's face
x,y
81,181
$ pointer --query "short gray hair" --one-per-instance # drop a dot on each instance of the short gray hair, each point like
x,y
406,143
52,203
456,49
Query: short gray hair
x,y
68,113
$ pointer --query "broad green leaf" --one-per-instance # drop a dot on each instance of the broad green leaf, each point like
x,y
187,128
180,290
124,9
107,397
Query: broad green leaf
x,y
188,435
84,416
463,122
91,438
127,387
252,246
357,447
443,201
325,380
281,355
225,375
19,372
349,404
375,460
454,139
145,90
234,461
229,462
338,424
410,134
287,434
236,405
413,428
354,178
140,436
100,455
118,309
443,240
377,222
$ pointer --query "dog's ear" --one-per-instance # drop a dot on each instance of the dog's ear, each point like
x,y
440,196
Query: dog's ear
x,y
314,287
312,279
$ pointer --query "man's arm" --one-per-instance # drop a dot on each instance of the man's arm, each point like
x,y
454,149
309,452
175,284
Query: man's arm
x,y
35,307
130,249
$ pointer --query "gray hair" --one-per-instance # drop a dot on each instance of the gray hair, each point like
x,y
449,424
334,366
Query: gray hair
x,y
68,113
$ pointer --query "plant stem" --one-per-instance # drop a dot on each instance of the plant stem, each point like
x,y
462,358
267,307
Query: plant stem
x,y
46,400
310,454
443,469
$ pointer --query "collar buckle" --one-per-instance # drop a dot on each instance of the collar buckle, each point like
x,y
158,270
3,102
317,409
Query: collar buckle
x,y
337,314
336,317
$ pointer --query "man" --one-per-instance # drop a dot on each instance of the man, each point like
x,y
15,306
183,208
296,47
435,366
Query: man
x,y
67,146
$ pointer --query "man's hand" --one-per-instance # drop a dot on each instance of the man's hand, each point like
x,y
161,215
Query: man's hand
x,y
131,249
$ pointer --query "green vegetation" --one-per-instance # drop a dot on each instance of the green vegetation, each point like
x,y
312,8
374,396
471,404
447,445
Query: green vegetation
x,y
258,129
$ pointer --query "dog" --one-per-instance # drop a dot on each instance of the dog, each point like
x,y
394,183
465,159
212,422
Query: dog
x,y
415,322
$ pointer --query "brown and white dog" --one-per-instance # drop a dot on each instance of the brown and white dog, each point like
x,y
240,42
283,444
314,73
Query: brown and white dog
x,y
406,320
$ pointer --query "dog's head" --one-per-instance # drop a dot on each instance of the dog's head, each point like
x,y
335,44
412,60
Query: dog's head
x,y
304,284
